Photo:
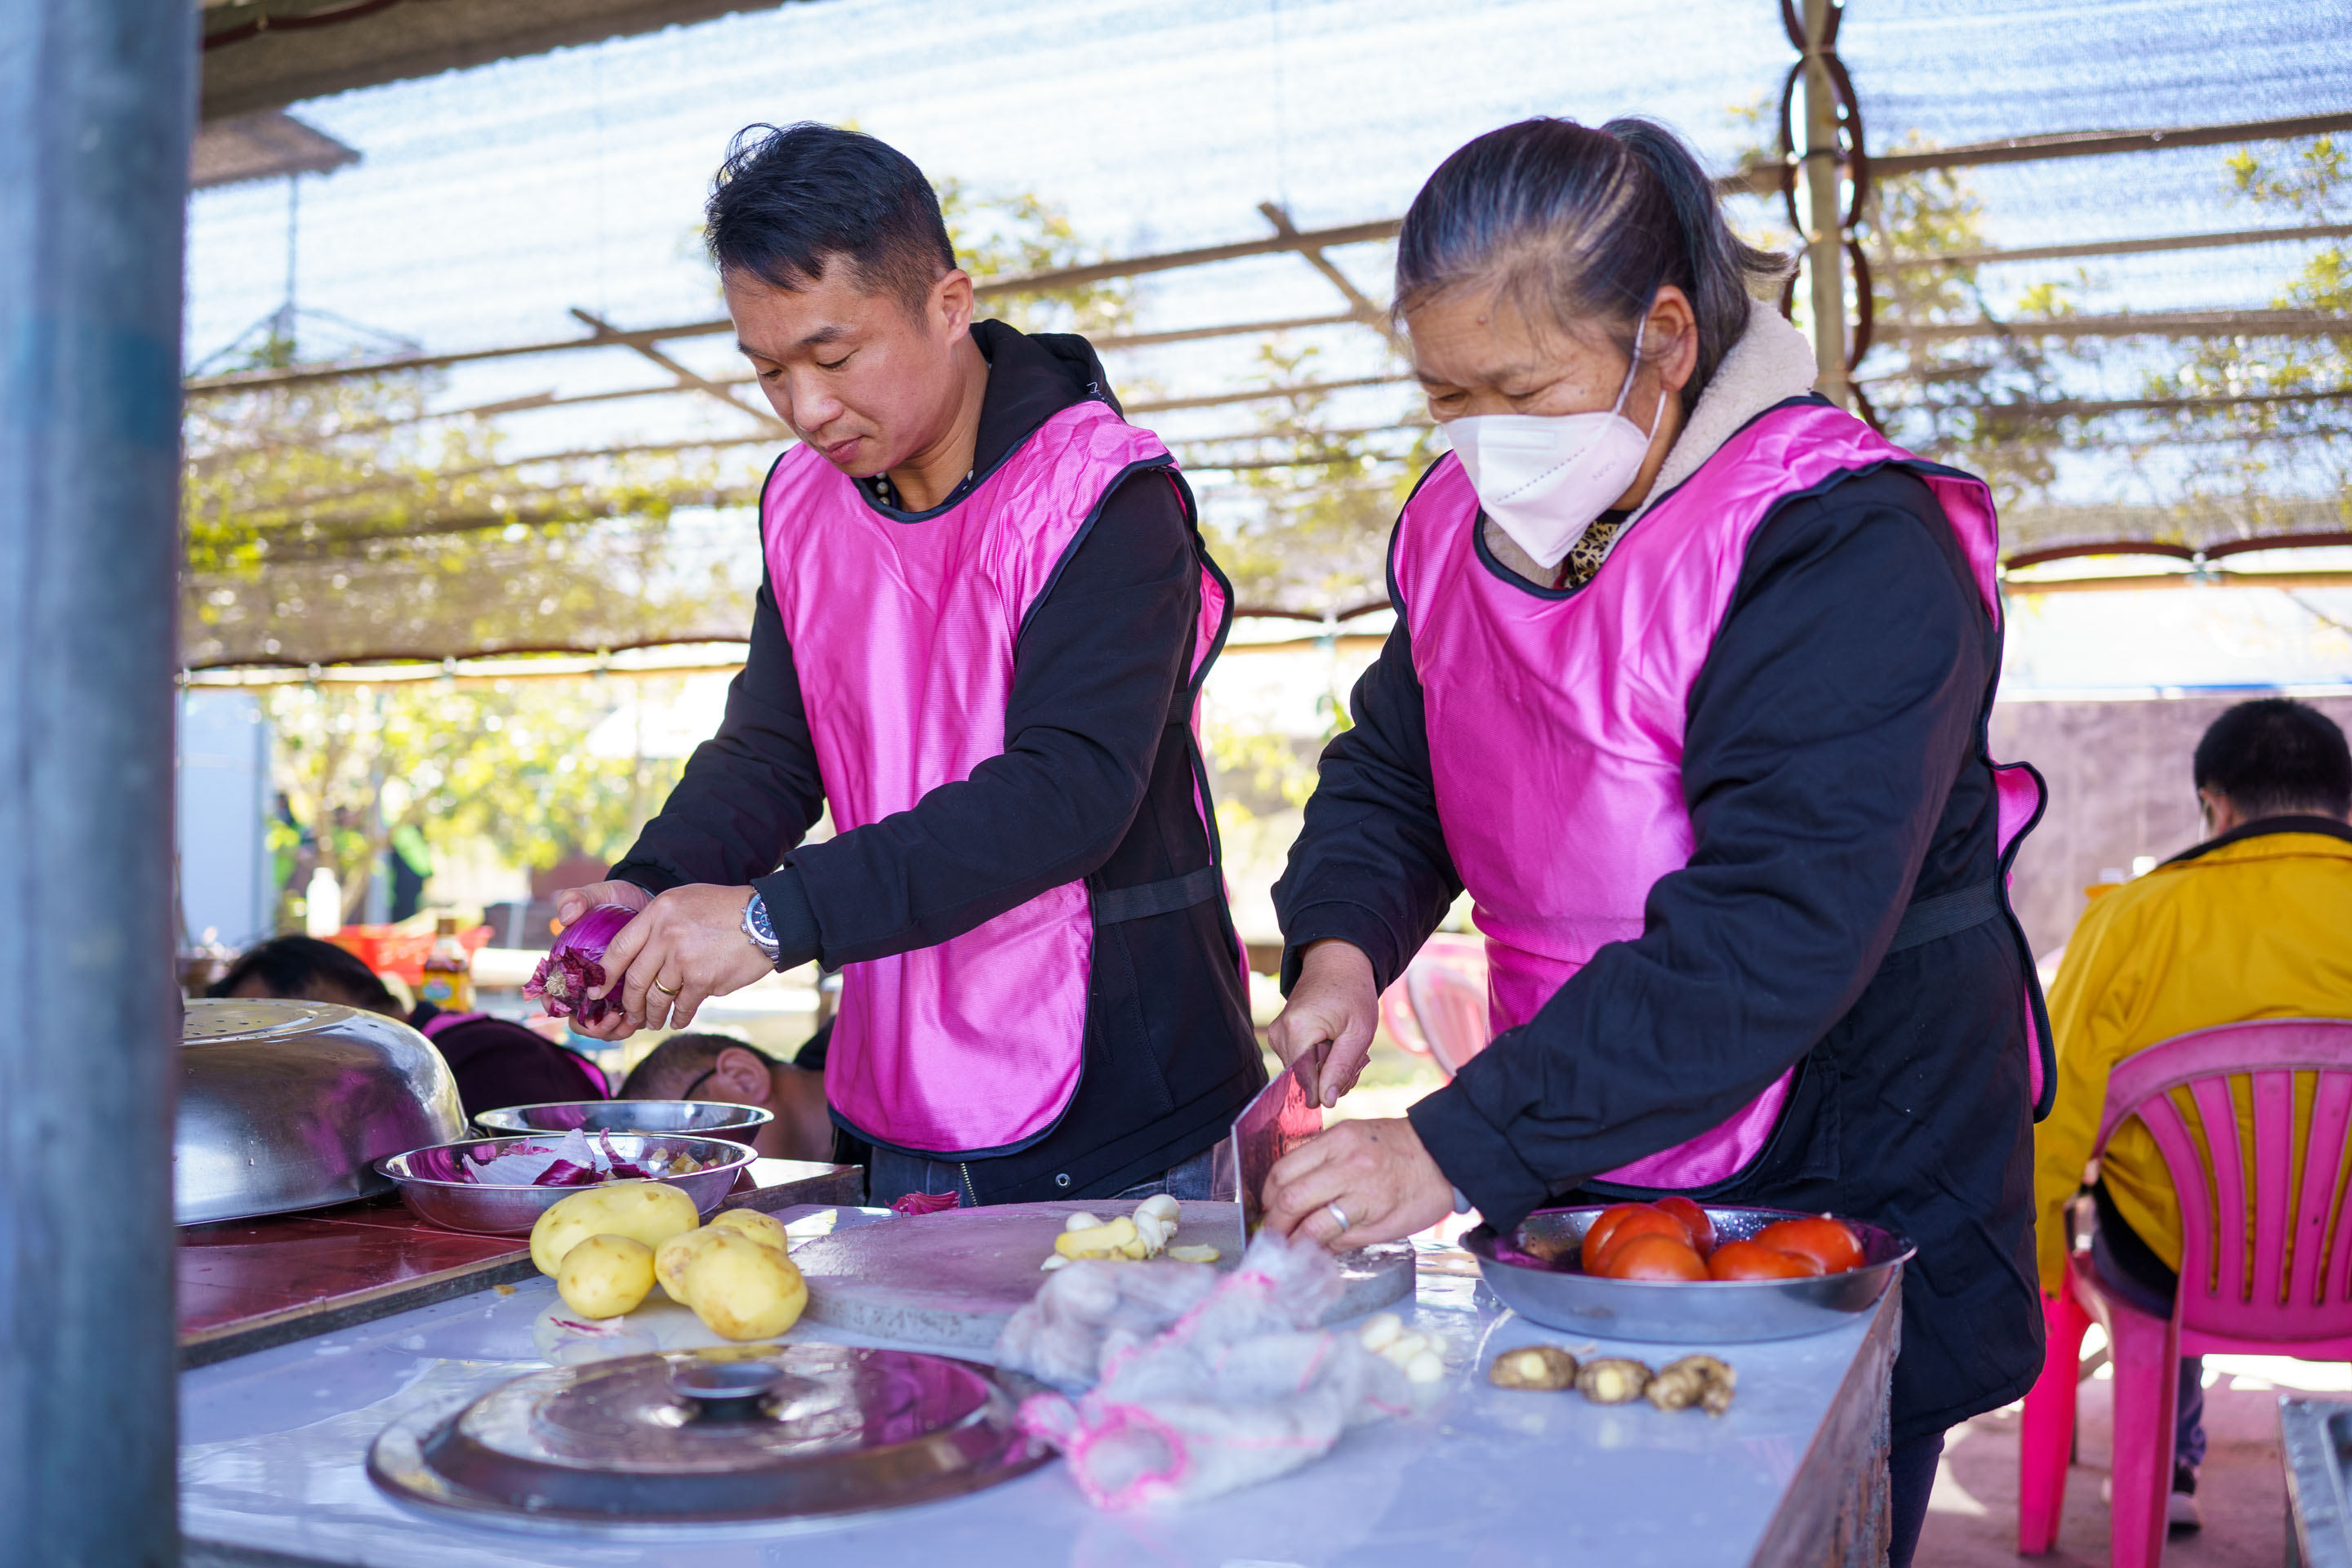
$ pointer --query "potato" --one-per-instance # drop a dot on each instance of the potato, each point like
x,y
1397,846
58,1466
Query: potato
x,y
650,1212
761,1227
671,1258
605,1275
743,1290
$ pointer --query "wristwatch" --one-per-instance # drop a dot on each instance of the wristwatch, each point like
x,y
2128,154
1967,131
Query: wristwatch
x,y
760,932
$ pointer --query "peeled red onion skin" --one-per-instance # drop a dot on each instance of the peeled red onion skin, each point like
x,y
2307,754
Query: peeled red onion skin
x,y
574,966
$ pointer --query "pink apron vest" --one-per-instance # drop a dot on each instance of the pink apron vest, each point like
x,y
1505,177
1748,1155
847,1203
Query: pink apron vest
x,y
1556,723
903,634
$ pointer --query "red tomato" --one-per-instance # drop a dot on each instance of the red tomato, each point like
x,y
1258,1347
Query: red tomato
x,y
1822,1239
1645,1221
1753,1260
1597,1235
1695,1220
1651,1256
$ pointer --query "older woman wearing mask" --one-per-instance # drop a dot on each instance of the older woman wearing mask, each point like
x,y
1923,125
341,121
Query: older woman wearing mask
x,y
1688,687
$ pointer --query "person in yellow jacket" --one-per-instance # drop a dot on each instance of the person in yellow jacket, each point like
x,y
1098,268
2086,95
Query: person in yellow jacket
x,y
2254,922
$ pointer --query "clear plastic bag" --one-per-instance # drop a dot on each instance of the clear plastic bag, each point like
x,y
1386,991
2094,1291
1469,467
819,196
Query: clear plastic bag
x,y
1093,1307
1235,1390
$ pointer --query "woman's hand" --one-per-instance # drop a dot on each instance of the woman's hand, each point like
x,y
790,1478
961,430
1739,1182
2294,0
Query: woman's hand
x,y
1375,1173
1329,1019
683,948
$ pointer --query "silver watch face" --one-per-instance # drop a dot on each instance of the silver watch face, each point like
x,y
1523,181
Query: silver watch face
x,y
757,927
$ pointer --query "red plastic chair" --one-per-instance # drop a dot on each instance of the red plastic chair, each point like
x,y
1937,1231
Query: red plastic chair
x,y
2285,1291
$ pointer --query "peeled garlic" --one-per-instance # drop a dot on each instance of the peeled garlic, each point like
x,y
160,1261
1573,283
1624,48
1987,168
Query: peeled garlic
x,y
1056,1261
1379,1330
1151,1228
1082,1222
1424,1367
1168,1210
1404,1347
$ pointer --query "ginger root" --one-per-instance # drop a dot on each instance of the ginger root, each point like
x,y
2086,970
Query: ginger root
x,y
1546,1367
1699,1380
1614,1380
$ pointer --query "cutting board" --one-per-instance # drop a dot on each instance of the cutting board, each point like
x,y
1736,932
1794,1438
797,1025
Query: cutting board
x,y
950,1280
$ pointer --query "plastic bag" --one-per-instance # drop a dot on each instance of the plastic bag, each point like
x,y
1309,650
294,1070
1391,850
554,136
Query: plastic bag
x,y
1236,1390
1093,1308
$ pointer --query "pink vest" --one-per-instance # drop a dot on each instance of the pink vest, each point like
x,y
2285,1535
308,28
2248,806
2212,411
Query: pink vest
x,y
1556,723
903,634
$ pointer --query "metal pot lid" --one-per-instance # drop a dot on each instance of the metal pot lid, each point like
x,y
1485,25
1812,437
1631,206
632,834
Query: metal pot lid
x,y
211,1021
710,1437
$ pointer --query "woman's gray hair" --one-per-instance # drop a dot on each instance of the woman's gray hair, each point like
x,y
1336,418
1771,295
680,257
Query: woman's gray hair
x,y
1584,227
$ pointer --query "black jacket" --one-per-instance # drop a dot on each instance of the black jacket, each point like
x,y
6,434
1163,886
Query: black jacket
x,y
1098,780
1834,770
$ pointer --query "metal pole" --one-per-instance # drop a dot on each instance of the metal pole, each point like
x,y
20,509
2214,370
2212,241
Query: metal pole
x,y
97,106
1824,254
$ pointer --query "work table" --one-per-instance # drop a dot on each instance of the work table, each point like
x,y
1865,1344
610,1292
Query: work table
x,y
273,1446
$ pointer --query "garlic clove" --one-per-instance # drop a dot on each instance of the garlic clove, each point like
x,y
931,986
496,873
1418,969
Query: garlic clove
x,y
1055,1261
1424,1367
1379,1330
1082,1222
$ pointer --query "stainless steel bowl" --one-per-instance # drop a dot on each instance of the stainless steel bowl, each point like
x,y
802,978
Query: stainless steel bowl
x,y
428,1185
287,1105
695,1118
1712,1311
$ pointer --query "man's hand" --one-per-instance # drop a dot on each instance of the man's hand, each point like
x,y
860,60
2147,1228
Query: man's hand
x,y
683,948
574,902
1330,1018
1375,1172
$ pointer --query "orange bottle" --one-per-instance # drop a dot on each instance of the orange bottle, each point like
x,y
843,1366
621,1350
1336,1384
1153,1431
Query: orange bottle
x,y
449,969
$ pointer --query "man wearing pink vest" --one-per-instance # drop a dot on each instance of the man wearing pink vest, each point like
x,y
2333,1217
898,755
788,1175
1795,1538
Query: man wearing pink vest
x,y
1688,690
986,617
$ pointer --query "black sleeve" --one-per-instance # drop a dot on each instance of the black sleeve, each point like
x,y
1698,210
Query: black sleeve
x,y
1833,715
1102,659
751,792
1370,866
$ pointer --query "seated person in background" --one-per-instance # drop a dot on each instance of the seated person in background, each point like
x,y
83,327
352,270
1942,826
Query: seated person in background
x,y
496,1063
2255,922
714,1067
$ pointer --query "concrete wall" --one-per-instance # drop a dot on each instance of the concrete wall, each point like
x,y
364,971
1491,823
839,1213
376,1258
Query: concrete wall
x,y
2119,789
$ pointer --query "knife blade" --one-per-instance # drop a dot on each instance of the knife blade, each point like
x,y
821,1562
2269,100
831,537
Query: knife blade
x,y
1281,1117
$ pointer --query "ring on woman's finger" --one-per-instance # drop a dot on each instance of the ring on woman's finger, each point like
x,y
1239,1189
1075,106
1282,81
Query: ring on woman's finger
x,y
667,990
1336,1211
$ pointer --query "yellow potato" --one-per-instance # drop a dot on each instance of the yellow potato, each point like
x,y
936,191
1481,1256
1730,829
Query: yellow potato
x,y
650,1212
671,1258
605,1275
1103,1241
762,1227
743,1290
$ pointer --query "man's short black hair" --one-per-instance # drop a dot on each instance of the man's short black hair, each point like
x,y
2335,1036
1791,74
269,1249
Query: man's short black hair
x,y
304,967
672,1067
788,202
2277,757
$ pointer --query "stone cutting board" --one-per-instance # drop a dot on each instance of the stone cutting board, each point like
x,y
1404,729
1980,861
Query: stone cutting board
x,y
950,1280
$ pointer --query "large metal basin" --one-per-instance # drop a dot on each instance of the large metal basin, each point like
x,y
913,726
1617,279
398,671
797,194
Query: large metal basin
x,y
1702,1312
288,1105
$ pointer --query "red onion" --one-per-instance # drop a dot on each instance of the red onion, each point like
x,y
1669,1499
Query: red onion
x,y
925,1203
576,965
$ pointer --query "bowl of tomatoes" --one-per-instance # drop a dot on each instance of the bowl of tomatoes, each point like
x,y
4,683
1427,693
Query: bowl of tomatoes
x,y
1678,1272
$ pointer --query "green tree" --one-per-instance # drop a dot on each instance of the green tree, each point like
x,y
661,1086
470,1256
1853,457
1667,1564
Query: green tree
x,y
504,765
2259,466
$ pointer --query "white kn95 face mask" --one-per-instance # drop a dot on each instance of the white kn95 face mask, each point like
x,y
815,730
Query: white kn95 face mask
x,y
1546,477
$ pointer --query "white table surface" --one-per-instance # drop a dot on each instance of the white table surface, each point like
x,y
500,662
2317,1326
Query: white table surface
x,y
274,1447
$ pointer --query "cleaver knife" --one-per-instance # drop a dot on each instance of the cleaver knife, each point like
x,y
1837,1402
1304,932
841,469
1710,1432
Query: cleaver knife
x,y
1279,1120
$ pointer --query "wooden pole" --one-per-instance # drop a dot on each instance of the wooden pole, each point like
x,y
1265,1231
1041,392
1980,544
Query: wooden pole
x,y
1824,180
